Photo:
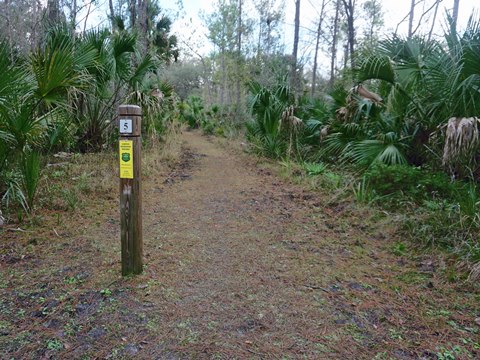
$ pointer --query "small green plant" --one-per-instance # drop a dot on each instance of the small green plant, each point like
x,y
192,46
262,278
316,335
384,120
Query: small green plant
x,y
58,174
13,193
70,280
287,165
208,126
192,111
413,277
331,180
20,216
313,169
453,352
439,313
30,176
402,182
72,328
362,192
54,344
398,249
395,334
445,355
106,293
84,183
71,199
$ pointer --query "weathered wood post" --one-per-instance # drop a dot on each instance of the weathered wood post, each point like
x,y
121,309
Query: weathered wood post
x,y
130,151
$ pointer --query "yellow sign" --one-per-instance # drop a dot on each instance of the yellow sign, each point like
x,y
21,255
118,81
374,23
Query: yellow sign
x,y
126,159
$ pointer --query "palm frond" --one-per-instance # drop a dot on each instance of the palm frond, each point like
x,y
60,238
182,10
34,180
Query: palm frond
x,y
378,67
368,152
54,72
145,66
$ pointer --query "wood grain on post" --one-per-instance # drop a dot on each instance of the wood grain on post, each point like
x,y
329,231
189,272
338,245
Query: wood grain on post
x,y
130,151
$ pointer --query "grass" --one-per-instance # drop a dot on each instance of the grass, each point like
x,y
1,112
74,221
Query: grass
x,y
437,216
313,169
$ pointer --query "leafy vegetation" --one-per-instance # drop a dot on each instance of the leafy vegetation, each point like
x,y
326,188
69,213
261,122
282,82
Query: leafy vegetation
x,y
407,126
63,97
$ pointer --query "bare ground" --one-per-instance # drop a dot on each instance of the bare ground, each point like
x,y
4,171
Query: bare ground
x,y
240,264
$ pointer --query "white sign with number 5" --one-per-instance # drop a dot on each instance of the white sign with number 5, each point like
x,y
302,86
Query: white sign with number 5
x,y
126,126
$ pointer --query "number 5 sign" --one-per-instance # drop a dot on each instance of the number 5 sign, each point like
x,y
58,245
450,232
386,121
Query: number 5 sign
x,y
126,126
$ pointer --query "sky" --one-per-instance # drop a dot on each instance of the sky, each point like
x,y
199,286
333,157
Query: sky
x,y
189,27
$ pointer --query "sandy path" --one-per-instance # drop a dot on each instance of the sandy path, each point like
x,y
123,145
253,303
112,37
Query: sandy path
x,y
222,228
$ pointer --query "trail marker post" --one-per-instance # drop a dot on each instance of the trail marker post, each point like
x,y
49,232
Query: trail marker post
x,y
130,155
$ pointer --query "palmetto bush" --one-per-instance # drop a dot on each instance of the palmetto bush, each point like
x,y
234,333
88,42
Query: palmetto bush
x,y
431,96
33,103
64,96
267,106
423,84
192,111
283,126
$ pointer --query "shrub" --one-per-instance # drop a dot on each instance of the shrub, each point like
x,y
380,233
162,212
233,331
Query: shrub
x,y
411,182
30,168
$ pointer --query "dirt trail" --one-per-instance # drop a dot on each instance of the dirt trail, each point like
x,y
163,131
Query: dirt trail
x,y
239,265
224,230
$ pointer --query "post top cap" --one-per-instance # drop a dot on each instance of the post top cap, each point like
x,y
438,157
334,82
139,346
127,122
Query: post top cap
x,y
129,110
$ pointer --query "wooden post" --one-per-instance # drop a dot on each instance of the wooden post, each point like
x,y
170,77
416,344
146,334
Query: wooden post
x,y
130,151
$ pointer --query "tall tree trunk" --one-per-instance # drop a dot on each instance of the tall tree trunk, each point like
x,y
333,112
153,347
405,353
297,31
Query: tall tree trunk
x,y
34,40
350,12
269,39
370,30
142,25
133,13
345,55
86,17
410,19
224,76
317,45
333,57
73,16
259,45
53,11
7,15
456,5
239,58
294,74
112,14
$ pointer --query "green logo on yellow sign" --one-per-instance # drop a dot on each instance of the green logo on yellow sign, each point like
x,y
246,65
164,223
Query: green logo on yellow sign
x,y
126,159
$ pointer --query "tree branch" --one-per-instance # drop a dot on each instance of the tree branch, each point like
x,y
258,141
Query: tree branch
x,y
437,2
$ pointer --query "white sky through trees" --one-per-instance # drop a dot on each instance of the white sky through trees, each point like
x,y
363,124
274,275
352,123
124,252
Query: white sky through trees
x,y
189,27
